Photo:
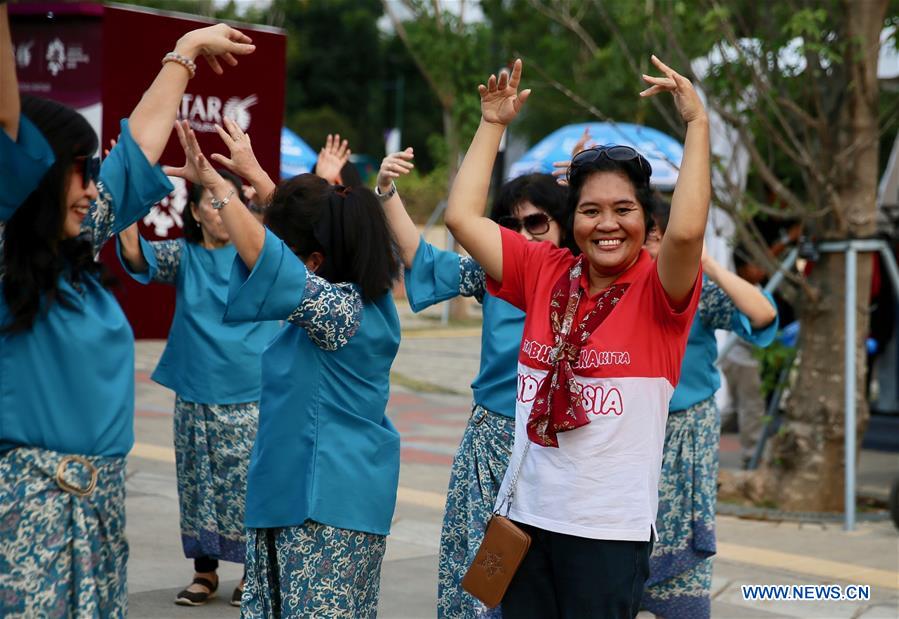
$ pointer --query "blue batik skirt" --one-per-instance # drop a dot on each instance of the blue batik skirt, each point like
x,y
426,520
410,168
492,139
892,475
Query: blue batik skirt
x,y
63,550
212,453
312,570
680,569
475,478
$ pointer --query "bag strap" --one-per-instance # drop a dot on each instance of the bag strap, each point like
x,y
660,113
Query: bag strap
x,y
513,483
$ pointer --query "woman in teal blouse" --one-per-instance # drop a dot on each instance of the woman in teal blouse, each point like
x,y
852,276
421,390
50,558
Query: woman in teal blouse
x,y
66,350
680,578
323,475
214,370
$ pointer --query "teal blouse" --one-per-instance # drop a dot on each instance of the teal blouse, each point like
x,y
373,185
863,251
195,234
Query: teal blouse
x,y
437,275
205,360
67,384
325,449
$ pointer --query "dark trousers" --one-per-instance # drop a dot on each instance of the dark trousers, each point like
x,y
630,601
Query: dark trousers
x,y
205,564
568,577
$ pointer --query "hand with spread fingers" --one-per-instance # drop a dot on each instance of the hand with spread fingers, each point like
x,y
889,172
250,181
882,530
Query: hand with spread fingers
x,y
331,159
214,43
188,170
393,166
243,160
685,98
196,168
500,99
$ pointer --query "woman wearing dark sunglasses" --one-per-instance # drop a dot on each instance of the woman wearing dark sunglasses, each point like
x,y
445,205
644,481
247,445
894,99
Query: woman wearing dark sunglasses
x,y
601,352
66,350
531,205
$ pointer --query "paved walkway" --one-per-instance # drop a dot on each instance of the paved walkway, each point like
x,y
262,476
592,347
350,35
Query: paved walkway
x,y
429,406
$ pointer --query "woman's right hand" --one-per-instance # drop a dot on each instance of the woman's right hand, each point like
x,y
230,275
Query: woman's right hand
x,y
393,166
500,99
215,42
331,159
188,171
196,168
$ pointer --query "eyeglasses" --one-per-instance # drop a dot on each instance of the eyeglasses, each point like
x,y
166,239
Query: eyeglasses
x,y
535,223
88,168
615,152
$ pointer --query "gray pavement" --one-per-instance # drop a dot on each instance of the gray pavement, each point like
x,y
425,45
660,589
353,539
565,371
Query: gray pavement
x,y
429,406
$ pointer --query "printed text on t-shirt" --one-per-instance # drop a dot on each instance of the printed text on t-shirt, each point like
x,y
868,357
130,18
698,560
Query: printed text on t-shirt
x,y
595,399
588,357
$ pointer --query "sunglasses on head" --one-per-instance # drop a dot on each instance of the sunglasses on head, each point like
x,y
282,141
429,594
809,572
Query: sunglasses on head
x,y
535,223
89,168
615,152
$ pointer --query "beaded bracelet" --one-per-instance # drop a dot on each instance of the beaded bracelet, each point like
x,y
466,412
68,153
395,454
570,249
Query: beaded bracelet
x,y
184,61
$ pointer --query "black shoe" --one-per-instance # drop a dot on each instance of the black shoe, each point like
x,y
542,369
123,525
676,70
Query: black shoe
x,y
197,598
235,597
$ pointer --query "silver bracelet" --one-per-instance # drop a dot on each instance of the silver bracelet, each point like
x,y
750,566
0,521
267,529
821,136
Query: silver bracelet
x,y
383,197
218,204
184,61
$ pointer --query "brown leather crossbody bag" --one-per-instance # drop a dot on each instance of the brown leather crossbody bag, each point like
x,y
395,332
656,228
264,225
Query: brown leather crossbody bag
x,y
502,550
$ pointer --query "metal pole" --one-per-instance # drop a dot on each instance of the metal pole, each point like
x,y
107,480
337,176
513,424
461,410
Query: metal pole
x,y
849,396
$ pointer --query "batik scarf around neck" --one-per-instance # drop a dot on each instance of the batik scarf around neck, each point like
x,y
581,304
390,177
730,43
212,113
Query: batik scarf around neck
x,y
557,407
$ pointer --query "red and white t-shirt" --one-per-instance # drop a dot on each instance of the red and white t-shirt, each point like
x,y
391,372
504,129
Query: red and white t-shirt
x,y
602,481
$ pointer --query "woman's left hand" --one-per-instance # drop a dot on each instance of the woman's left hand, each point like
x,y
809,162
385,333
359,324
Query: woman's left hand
x,y
243,160
685,98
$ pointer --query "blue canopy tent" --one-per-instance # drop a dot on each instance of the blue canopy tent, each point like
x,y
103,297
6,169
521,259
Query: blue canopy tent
x,y
663,152
297,157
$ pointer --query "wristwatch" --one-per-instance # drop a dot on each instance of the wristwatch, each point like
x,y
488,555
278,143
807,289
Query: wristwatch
x,y
383,197
218,204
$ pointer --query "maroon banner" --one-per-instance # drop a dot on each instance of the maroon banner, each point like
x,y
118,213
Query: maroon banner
x,y
58,54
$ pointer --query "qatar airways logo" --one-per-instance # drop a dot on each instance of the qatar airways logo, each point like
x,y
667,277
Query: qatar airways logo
x,y
204,113
596,399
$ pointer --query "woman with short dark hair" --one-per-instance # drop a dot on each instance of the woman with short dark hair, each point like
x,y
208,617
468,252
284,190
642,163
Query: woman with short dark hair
x,y
323,474
66,349
214,370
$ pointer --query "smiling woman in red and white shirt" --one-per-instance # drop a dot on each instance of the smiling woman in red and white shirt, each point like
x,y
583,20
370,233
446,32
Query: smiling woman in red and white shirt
x,y
601,353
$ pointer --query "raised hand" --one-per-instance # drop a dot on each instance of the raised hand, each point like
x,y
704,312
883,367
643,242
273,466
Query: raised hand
x,y
393,166
500,99
215,42
685,98
196,168
187,171
243,160
560,171
581,143
331,158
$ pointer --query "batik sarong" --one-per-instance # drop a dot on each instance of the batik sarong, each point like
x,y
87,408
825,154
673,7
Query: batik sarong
x,y
478,469
312,570
63,550
212,453
680,569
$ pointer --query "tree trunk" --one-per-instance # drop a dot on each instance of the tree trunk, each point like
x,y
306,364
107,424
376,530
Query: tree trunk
x,y
807,458
458,305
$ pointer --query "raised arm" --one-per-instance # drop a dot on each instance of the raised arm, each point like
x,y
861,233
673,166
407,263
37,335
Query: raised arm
x,y
404,230
243,160
151,121
10,106
746,297
245,231
331,159
679,255
480,236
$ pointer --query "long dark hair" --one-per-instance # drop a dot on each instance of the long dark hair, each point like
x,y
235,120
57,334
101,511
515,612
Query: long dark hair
x,y
346,225
541,190
642,191
34,254
193,232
